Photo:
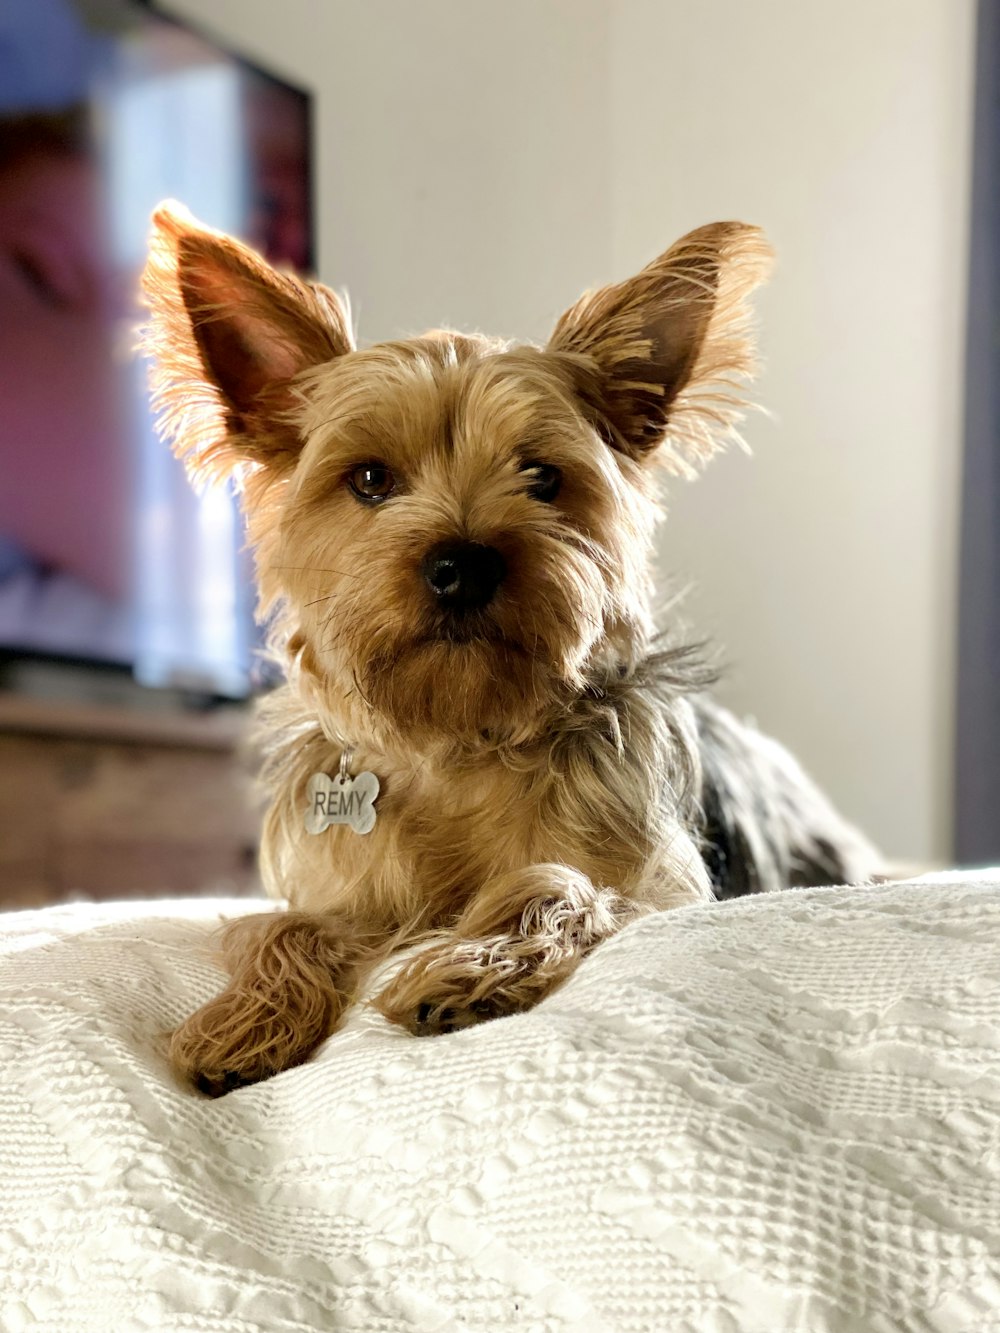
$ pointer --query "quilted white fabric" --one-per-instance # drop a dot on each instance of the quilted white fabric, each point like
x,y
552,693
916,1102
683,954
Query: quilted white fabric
x,y
770,1115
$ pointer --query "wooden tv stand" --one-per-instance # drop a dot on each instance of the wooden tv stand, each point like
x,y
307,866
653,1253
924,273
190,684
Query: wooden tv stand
x,y
109,802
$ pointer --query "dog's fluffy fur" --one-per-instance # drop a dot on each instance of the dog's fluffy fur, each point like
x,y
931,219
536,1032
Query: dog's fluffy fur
x,y
548,770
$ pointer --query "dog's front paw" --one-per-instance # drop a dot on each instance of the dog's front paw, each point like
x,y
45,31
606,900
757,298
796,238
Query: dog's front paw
x,y
458,985
290,972
216,1052
510,948
235,1040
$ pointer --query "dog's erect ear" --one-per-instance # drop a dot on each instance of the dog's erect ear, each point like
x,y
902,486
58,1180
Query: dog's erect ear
x,y
228,335
659,360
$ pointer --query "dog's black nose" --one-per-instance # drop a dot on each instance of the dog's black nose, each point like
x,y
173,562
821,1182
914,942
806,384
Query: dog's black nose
x,y
463,576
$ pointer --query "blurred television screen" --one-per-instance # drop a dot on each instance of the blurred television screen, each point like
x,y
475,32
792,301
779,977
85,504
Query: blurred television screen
x,y
106,108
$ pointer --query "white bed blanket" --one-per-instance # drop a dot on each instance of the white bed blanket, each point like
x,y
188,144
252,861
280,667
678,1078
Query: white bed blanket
x,y
771,1115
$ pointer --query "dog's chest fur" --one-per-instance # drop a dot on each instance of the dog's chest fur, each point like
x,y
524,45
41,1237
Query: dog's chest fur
x,y
449,823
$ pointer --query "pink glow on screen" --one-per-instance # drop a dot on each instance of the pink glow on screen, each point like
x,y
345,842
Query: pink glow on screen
x,y
106,553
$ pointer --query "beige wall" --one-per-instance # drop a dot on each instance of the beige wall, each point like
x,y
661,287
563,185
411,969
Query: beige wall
x,y
826,563
480,163
462,150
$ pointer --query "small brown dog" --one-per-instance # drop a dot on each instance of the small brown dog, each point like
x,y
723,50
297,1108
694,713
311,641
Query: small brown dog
x,y
480,748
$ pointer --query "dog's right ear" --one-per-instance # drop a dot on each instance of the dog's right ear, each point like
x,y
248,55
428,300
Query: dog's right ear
x,y
229,335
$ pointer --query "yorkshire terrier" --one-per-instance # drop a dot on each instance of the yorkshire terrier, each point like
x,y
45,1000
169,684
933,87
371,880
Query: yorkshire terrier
x,y
481,747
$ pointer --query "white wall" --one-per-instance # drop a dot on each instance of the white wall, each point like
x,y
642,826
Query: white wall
x,y
826,563
479,163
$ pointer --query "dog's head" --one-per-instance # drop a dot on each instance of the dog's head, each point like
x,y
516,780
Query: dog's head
x,y
455,529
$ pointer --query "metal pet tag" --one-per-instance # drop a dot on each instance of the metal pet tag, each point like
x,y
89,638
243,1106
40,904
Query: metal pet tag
x,y
341,800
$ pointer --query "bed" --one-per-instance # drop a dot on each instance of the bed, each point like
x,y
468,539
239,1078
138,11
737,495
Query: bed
x,y
761,1116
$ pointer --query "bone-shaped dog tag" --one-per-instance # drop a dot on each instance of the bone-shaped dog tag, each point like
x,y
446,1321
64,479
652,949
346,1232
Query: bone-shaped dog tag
x,y
341,800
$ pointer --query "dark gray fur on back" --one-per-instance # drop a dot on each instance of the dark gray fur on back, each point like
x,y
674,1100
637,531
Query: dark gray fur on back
x,y
764,824
760,821
650,732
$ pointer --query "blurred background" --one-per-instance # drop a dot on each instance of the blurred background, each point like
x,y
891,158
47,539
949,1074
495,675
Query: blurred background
x,y
475,164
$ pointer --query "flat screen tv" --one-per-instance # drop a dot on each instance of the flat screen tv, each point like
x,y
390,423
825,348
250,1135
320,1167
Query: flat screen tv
x,y
106,553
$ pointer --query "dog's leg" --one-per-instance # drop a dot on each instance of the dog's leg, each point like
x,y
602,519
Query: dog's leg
x,y
292,973
520,937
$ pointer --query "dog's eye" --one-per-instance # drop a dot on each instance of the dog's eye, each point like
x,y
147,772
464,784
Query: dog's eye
x,y
372,482
544,481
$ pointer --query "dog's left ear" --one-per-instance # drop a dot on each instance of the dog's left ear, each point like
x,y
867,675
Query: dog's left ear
x,y
659,360
229,335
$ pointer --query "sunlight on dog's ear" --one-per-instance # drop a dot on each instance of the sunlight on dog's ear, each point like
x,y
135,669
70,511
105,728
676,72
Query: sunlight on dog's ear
x,y
661,359
228,335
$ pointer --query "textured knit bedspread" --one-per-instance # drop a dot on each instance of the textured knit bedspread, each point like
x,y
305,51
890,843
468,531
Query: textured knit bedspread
x,y
777,1114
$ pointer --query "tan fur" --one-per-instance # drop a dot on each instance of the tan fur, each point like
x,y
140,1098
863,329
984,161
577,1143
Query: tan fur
x,y
293,975
540,775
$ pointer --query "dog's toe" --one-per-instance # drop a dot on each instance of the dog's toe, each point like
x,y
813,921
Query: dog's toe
x,y
217,1085
432,1021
